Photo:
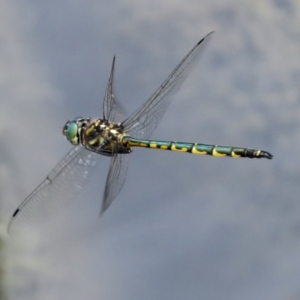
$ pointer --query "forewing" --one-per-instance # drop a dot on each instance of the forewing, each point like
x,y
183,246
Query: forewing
x,y
57,190
115,179
112,109
142,123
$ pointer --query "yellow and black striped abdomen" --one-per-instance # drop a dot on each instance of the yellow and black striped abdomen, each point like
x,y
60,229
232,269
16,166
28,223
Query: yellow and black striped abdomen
x,y
195,148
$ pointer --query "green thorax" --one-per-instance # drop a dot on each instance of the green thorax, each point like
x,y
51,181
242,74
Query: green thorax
x,y
100,135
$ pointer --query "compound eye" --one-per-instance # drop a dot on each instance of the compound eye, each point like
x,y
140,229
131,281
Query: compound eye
x,y
65,128
71,133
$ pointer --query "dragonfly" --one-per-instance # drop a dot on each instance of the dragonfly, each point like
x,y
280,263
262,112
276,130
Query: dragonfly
x,y
106,136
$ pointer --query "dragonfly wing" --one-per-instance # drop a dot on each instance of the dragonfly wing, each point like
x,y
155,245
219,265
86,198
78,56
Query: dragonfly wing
x,y
115,179
112,109
142,123
57,190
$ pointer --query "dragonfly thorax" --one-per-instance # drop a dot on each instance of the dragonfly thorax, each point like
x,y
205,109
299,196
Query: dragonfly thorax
x,y
104,137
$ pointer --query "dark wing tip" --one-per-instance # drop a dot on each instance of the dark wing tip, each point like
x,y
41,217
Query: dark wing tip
x,y
16,212
11,220
208,35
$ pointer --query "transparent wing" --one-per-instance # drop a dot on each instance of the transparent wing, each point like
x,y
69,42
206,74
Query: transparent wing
x,y
115,179
57,190
112,109
142,123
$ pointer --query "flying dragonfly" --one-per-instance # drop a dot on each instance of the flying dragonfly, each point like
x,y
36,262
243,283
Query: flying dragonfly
x,y
93,139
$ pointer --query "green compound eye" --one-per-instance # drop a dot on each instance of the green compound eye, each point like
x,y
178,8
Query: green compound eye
x,y
72,133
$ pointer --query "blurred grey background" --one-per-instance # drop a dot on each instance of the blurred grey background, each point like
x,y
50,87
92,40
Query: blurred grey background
x,y
184,226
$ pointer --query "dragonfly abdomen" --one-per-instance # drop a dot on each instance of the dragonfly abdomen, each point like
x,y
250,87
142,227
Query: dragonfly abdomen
x,y
195,148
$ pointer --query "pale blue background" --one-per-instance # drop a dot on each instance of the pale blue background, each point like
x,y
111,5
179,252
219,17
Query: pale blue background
x,y
184,226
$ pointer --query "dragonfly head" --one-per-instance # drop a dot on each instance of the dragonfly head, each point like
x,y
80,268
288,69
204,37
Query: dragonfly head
x,y
72,129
